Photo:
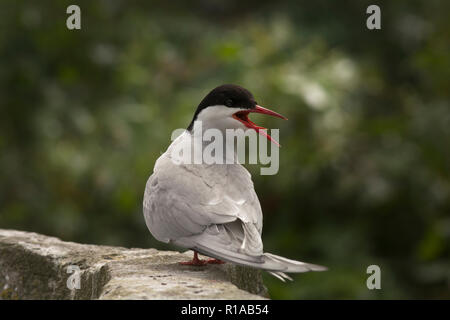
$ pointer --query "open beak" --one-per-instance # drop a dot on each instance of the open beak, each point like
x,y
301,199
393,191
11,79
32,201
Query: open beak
x,y
242,116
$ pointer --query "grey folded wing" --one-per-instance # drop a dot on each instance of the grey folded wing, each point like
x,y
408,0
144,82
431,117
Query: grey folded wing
x,y
211,208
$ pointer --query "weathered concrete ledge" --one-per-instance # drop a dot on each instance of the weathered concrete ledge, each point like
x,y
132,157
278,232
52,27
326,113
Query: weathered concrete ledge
x,y
34,266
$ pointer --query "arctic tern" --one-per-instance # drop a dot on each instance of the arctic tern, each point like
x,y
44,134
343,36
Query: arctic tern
x,y
213,209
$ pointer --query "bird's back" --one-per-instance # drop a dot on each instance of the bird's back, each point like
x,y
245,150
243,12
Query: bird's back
x,y
182,200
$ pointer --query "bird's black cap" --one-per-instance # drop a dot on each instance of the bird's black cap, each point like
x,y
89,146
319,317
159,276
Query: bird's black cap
x,y
229,95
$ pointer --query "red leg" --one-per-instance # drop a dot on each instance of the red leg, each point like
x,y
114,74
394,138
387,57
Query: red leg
x,y
195,261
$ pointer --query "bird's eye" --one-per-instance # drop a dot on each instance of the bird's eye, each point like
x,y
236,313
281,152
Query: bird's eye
x,y
229,103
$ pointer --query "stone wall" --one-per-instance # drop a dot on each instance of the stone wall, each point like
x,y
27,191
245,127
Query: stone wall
x,y
34,266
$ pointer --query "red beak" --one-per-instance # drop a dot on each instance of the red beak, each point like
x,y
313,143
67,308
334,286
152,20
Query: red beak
x,y
242,116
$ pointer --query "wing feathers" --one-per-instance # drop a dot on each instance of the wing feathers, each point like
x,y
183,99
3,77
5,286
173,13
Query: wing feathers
x,y
230,243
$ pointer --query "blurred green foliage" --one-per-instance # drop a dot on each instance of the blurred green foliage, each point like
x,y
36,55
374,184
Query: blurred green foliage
x,y
365,162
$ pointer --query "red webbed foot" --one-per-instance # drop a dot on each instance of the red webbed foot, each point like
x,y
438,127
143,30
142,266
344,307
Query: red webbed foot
x,y
195,261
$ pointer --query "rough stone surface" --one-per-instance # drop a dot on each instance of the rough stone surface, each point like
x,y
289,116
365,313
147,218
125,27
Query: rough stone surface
x,y
33,266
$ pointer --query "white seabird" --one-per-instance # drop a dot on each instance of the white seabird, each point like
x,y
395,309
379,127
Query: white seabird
x,y
213,208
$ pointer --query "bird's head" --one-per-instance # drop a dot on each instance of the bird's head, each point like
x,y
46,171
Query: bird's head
x,y
228,107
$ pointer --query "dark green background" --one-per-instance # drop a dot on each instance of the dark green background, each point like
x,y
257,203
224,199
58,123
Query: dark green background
x,y
365,162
